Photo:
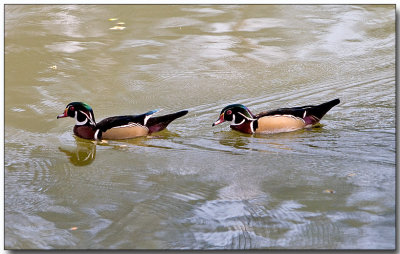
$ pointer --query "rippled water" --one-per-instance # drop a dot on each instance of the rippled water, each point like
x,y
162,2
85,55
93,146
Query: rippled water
x,y
194,186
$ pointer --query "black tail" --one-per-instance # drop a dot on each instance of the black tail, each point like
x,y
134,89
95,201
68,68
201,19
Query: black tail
x,y
320,110
161,122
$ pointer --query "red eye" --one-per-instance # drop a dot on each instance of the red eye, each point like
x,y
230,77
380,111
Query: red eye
x,y
72,108
228,112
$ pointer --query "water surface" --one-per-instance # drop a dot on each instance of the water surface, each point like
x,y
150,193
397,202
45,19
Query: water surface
x,y
194,186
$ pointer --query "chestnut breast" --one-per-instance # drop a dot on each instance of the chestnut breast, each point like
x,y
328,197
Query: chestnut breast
x,y
84,131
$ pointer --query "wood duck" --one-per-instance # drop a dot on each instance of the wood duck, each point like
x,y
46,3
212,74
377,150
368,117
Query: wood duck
x,y
274,121
116,127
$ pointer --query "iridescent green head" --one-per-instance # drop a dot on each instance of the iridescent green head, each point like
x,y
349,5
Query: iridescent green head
x,y
81,111
237,113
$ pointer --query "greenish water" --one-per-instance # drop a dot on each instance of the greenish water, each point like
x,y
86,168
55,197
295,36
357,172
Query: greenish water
x,y
194,186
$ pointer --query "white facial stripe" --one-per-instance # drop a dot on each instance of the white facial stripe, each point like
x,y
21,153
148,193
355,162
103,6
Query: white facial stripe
x,y
76,119
88,117
248,118
240,122
233,121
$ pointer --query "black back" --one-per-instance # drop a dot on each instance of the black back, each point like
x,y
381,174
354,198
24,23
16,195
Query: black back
x,y
115,121
161,122
318,111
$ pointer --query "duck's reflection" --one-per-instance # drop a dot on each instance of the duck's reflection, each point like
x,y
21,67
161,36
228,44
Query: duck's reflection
x,y
234,139
264,142
83,154
85,151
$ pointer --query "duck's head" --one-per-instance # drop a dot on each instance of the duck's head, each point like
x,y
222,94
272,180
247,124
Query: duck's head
x,y
81,111
235,113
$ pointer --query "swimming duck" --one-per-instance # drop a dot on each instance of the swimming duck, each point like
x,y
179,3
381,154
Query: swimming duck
x,y
116,127
274,121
